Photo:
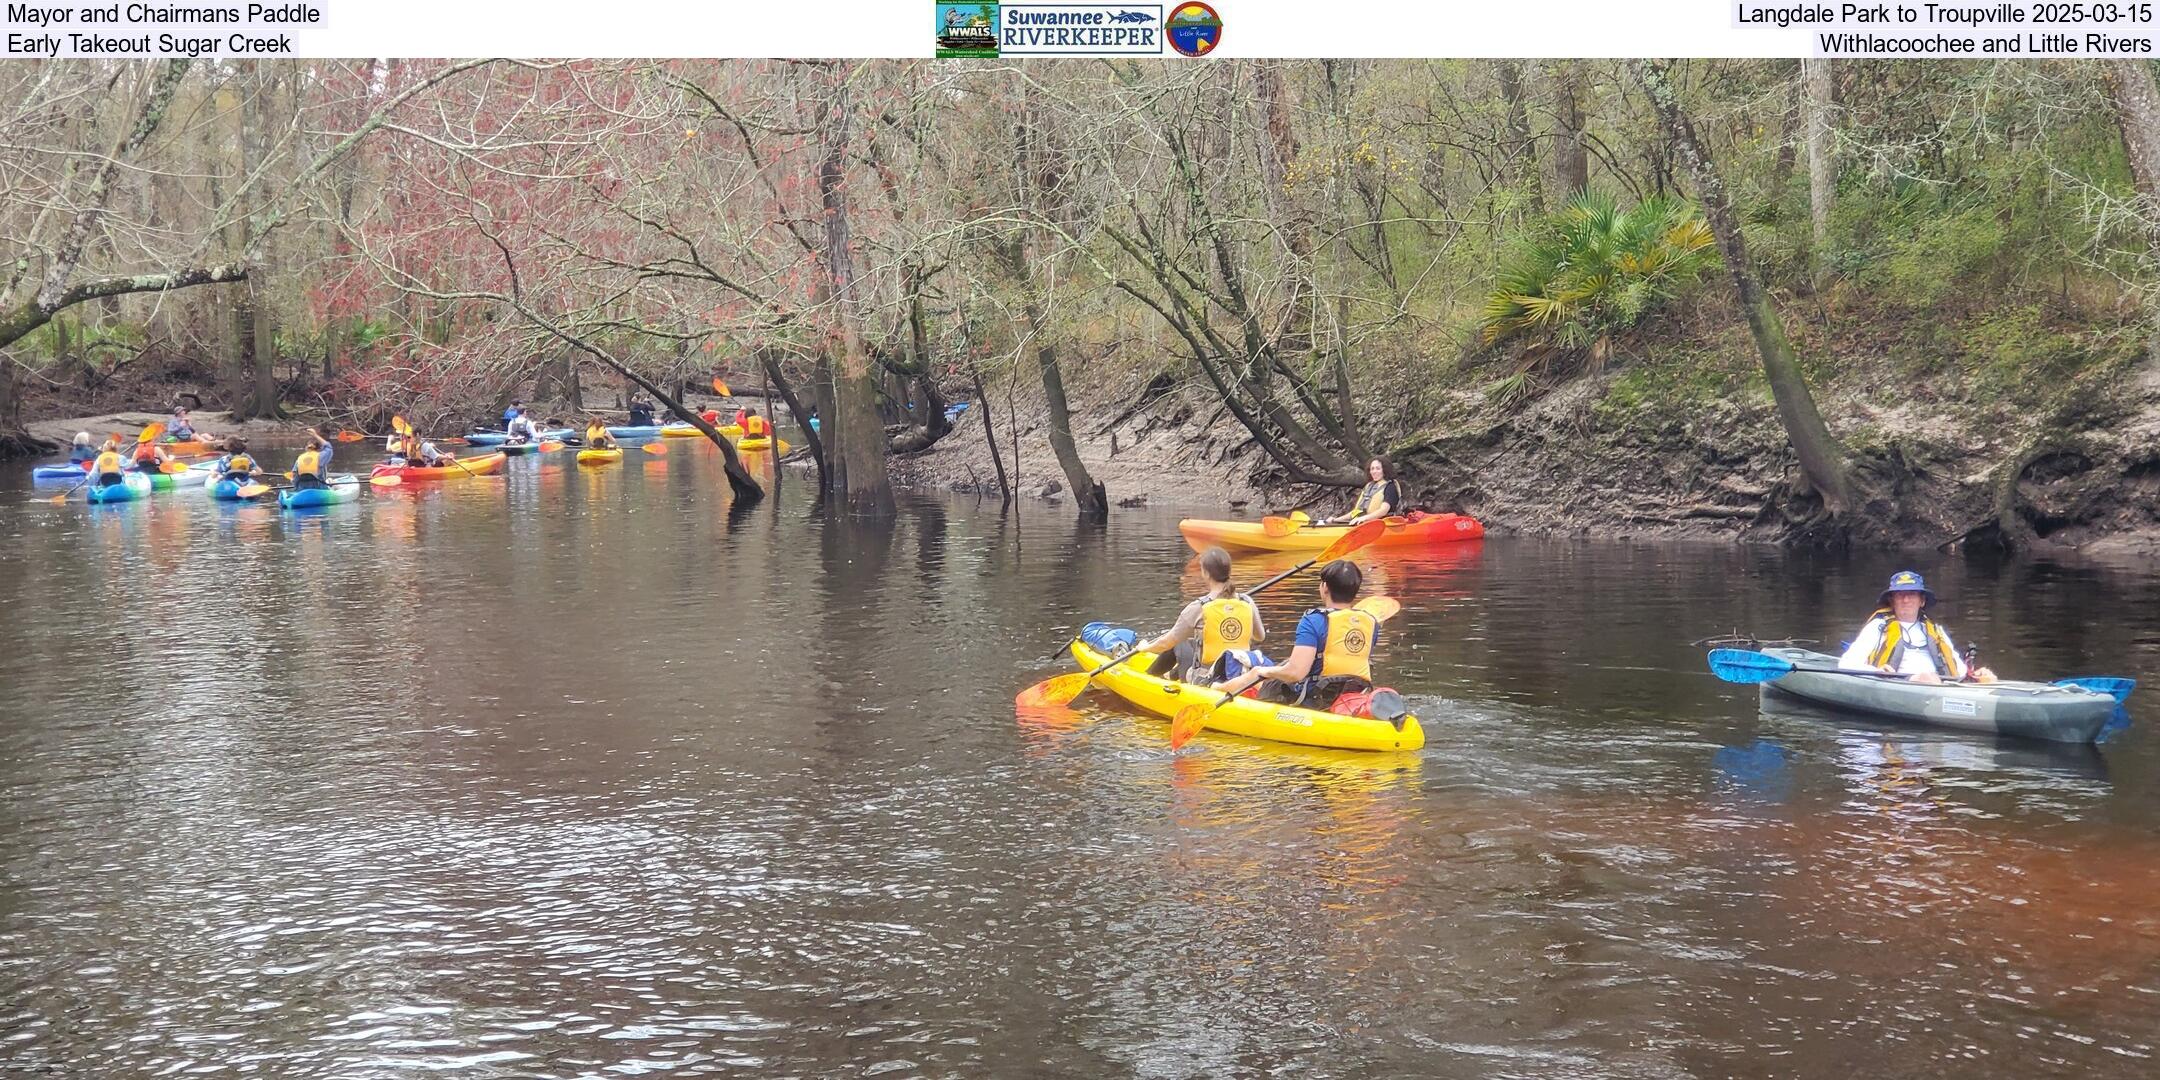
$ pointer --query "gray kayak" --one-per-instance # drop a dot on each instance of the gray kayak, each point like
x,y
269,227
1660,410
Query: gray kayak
x,y
2025,710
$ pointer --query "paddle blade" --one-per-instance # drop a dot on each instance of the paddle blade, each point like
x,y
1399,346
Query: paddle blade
x,y
721,388
2119,689
549,447
655,449
151,433
1276,526
1745,667
386,480
1186,724
1300,517
398,424
1382,608
173,468
253,490
1352,540
1058,691
350,436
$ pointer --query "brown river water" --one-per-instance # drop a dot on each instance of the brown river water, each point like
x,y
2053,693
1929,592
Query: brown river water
x,y
583,772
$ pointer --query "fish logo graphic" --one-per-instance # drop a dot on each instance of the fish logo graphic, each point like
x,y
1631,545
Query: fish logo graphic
x,y
1132,17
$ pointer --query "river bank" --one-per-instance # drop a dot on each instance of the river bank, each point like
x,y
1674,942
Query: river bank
x,y
2023,430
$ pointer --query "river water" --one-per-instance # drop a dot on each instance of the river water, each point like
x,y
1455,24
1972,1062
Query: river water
x,y
583,772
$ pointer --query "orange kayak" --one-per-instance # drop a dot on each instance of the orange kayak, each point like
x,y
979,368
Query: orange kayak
x,y
1418,528
477,465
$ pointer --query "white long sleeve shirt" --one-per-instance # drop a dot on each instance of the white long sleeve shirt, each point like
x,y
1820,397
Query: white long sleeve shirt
x,y
1915,654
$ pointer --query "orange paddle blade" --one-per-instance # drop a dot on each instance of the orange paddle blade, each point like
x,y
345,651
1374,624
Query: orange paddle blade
x,y
398,424
386,480
1352,540
252,490
350,436
655,449
150,434
173,468
721,388
1186,724
1382,608
549,447
1277,526
1053,691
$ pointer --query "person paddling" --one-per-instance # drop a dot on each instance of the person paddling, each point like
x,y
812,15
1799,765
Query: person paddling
x,y
237,466
308,467
1379,498
640,412
755,426
516,409
109,466
1900,639
151,457
1332,655
83,450
596,435
521,430
1213,637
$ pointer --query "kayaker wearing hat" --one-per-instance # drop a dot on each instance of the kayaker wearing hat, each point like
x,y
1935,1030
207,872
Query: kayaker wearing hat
x,y
1378,499
1333,653
1214,635
83,449
1900,639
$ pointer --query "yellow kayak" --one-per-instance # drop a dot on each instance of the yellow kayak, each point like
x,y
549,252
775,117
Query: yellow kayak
x,y
754,445
599,457
1249,717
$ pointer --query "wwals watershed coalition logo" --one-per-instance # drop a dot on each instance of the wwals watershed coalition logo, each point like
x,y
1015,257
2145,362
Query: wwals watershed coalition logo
x,y
967,30
1081,30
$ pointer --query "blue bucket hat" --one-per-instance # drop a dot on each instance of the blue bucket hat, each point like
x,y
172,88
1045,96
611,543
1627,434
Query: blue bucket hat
x,y
1907,581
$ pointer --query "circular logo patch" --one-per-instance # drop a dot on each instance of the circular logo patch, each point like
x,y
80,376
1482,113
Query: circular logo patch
x,y
1195,29
1355,640
1232,629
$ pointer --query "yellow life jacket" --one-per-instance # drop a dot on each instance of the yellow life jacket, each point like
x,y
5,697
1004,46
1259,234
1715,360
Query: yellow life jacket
x,y
1370,496
756,427
1224,625
239,464
309,463
596,436
1946,662
1348,649
109,462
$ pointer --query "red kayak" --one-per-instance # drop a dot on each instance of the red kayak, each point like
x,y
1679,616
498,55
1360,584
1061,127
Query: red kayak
x,y
1417,528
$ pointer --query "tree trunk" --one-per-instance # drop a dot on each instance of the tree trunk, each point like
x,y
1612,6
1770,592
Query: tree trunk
x,y
1522,158
982,404
1571,153
2137,110
775,380
1822,460
857,436
1042,182
1821,168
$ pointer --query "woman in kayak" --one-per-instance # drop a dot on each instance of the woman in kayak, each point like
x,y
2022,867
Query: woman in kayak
x,y
596,435
180,427
83,450
1333,653
755,426
107,468
1378,499
1900,639
1214,635
236,465
308,468
150,456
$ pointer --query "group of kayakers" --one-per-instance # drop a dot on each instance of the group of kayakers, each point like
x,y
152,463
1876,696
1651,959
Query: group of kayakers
x,y
1330,663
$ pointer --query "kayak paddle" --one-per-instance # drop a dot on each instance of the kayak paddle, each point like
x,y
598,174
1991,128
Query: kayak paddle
x,y
90,471
2117,688
721,388
1747,668
386,480
350,436
1061,689
1283,526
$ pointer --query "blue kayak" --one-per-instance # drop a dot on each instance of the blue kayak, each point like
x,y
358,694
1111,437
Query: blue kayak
x,y
497,438
58,472
132,486
343,488
227,490
649,431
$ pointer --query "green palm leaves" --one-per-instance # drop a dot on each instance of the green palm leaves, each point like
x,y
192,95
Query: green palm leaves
x,y
1594,268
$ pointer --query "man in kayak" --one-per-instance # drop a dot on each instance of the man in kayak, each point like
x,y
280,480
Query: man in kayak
x,y
236,465
180,427
521,430
755,426
1332,656
1213,637
516,409
1378,499
640,412
596,435
83,450
1900,639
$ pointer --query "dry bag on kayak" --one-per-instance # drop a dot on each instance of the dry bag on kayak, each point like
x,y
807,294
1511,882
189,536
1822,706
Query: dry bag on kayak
x,y
1109,638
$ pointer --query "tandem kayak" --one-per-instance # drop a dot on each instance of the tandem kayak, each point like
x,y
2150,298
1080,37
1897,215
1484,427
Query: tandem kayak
x,y
477,465
2026,710
70,473
1417,528
132,486
755,445
343,488
497,438
599,457
1245,716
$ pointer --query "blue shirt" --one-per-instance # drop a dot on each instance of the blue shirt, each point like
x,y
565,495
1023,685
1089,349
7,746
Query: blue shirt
x,y
509,415
1312,631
